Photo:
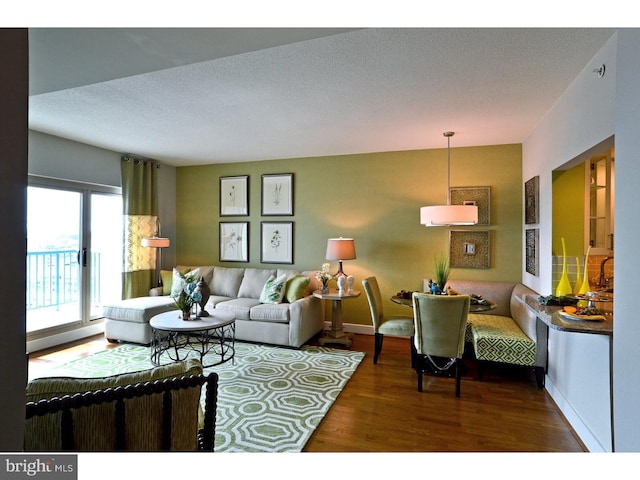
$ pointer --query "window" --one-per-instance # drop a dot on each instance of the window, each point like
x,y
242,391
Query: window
x,y
74,253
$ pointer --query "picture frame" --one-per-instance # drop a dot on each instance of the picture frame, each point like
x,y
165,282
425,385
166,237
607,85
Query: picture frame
x,y
276,240
469,249
234,241
277,194
478,196
532,236
531,207
234,196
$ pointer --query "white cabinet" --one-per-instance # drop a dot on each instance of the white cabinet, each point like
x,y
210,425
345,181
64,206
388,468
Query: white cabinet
x,y
599,203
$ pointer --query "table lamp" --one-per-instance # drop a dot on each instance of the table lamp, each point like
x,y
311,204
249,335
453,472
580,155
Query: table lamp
x,y
340,249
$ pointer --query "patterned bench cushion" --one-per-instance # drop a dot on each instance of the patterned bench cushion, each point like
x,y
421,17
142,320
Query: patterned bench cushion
x,y
499,339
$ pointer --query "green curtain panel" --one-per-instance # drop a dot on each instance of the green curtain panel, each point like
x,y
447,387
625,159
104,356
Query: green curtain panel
x,y
140,209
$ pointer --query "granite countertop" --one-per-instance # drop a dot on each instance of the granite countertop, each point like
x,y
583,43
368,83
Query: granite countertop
x,y
550,316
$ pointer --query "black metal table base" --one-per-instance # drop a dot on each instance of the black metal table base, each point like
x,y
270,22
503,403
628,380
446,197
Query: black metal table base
x,y
218,341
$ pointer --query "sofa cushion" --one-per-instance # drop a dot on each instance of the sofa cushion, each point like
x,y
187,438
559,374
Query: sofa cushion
x,y
273,290
226,281
206,271
240,307
94,425
270,312
253,282
139,310
296,288
215,300
499,339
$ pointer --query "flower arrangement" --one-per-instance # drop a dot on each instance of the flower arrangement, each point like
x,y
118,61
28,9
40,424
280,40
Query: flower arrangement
x,y
188,294
323,276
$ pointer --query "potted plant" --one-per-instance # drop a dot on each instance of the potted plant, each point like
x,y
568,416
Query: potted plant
x,y
441,266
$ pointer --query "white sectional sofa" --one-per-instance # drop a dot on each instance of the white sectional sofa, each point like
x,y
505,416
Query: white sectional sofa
x,y
291,322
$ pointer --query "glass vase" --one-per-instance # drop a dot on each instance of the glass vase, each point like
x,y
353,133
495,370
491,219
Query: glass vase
x,y
564,286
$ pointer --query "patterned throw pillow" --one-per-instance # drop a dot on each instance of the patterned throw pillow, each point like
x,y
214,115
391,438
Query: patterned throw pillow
x,y
273,290
180,279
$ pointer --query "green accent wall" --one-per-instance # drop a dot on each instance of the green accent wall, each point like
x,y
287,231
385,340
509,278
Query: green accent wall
x,y
374,198
568,211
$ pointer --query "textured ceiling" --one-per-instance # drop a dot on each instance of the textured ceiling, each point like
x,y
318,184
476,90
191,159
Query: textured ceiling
x,y
200,96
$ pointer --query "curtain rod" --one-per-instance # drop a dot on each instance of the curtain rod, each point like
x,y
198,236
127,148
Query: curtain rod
x,y
136,159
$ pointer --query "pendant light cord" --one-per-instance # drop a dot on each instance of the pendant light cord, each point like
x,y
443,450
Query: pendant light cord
x,y
448,135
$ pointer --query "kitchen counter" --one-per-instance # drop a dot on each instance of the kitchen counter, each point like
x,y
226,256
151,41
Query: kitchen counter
x,y
550,316
579,375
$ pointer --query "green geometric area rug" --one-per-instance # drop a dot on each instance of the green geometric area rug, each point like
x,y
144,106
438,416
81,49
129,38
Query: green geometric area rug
x,y
270,399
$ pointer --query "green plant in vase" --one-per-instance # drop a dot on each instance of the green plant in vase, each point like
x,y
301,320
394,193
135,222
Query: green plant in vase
x,y
441,270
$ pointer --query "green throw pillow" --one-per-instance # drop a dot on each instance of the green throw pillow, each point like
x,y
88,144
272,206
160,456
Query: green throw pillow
x,y
167,281
273,290
296,288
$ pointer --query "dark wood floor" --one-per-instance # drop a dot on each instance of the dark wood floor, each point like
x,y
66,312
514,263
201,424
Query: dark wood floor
x,y
380,409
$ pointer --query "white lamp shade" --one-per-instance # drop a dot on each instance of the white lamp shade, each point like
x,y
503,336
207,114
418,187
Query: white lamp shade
x,y
442,215
341,249
156,242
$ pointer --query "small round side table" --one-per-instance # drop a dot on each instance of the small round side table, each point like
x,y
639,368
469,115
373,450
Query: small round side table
x,y
336,334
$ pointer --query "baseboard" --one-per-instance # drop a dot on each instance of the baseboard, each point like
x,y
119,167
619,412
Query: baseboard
x,y
353,328
65,337
579,427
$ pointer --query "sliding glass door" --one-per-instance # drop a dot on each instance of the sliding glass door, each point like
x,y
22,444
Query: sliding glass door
x,y
74,253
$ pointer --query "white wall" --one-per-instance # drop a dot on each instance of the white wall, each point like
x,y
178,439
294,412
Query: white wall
x,y
55,157
626,356
581,119
589,112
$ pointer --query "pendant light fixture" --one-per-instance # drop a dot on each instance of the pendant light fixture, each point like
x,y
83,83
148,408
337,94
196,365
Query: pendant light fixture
x,y
448,215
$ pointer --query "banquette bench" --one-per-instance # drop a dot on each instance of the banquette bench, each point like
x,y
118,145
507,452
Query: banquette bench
x,y
508,334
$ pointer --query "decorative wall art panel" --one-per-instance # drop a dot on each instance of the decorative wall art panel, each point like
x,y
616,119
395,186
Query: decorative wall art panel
x,y
479,196
469,249
531,245
531,208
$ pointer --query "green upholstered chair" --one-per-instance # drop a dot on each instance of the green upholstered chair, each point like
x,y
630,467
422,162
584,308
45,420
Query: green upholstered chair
x,y
395,325
440,324
152,410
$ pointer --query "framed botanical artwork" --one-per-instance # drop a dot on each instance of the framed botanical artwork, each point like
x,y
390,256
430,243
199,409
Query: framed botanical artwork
x,y
277,194
469,248
531,250
234,241
478,196
276,240
531,188
234,196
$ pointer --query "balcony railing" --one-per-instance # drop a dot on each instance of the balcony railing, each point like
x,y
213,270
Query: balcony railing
x,y
53,278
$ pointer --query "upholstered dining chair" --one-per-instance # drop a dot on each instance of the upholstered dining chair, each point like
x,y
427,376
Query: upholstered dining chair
x,y
394,325
440,324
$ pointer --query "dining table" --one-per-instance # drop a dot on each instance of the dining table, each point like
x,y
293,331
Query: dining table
x,y
474,307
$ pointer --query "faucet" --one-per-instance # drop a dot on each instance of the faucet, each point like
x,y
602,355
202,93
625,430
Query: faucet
x,y
602,281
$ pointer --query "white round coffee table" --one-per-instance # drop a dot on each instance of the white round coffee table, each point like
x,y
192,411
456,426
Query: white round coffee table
x,y
179,339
